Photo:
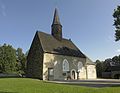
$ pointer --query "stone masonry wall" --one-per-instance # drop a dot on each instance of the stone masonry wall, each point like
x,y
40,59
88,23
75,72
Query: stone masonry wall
x,y
35,59
55,62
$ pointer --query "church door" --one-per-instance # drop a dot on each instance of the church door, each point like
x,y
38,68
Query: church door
x,y
73,74
50,74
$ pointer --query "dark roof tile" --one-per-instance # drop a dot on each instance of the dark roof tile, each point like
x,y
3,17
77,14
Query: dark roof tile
x,y
63,47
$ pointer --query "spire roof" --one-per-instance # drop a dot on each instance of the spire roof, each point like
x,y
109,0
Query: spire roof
x,y
56,19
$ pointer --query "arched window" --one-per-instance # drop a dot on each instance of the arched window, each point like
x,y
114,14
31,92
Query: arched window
x,y
80,65
65,65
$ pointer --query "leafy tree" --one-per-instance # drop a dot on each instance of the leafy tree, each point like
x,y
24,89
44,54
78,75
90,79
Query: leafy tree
x,y
7,59
1,60
106,64
12,60
99,69
115,59
21,59
116,16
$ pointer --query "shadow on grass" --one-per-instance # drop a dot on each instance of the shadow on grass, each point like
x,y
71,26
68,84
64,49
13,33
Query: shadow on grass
x,y
115,86
10,77
7,92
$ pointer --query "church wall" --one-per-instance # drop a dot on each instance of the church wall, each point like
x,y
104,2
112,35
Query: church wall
x,y
35,59
91,72
82,74
56,62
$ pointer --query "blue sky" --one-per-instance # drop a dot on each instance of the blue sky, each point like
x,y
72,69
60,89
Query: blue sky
x,y
89,23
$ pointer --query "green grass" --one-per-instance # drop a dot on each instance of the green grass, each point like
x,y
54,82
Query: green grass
x,y
26,85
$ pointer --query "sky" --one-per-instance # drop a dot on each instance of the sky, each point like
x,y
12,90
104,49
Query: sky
x,y
88,23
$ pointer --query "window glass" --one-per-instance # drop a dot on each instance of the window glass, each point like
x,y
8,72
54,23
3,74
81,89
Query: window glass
x,y
51,71
65,65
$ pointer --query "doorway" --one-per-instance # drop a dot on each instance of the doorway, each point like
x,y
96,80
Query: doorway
x,y
50,74
73,74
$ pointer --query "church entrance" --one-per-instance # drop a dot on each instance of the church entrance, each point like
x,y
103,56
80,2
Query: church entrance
x,y
73,74
50,74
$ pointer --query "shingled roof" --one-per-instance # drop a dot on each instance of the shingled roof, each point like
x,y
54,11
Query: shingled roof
x,y
54,46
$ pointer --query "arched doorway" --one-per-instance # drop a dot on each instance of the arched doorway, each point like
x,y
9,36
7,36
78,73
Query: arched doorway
x,y
73,74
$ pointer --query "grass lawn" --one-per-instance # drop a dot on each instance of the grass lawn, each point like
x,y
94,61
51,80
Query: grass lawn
x,y
26,85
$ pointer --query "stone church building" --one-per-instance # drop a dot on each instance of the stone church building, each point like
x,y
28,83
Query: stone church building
x,y
52,57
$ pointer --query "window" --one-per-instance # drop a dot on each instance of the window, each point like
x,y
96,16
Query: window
x,y
80,65
65,65
50,71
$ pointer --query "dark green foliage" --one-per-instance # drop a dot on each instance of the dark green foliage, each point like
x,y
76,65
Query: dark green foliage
x,y
21,61
116,59
99,68
116,16
103,66
12,60
7,59
106,64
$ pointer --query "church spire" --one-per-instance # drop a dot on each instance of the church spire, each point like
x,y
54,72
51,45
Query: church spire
x,y
56,19
56,26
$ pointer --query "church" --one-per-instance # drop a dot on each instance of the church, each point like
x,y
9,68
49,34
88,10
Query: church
x,y
52,57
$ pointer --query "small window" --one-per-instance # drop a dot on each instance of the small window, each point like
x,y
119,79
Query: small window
x,y
51,71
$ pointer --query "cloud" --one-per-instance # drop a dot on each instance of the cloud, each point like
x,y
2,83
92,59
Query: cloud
x,y
3,9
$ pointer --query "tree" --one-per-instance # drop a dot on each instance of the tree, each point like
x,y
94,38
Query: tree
x,y
99,69
12,60
21,59
106,64
7,59
116,16
115,59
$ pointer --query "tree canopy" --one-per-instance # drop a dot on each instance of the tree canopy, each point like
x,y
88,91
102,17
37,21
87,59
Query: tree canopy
x,y
7,59
103,66
12,60
116,16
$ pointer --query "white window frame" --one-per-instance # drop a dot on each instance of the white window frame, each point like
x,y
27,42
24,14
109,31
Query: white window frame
x,y
65,65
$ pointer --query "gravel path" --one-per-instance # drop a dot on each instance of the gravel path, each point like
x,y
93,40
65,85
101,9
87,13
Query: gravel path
x,y
98,83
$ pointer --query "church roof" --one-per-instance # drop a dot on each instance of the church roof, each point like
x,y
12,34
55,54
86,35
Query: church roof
x,y
89,61
54,46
